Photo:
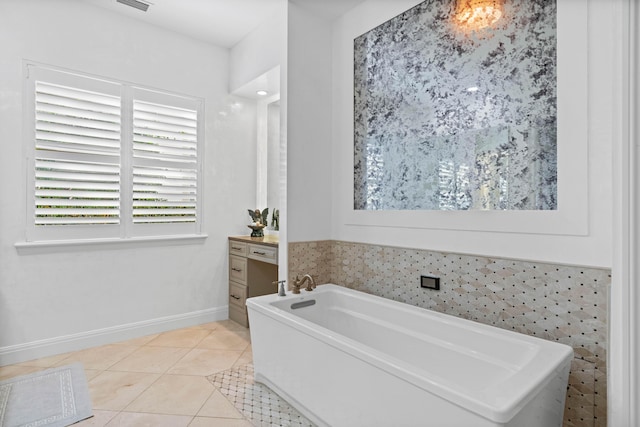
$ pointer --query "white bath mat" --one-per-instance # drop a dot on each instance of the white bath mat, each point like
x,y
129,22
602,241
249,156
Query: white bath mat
x,y
55,397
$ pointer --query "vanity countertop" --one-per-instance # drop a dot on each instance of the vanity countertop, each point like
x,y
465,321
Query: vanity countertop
x,y
268,240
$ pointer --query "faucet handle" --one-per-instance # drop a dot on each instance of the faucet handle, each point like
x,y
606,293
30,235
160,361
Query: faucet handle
x,y
296,285
281,292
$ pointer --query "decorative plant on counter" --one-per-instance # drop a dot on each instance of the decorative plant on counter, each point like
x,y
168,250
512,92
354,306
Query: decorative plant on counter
x,y
259,221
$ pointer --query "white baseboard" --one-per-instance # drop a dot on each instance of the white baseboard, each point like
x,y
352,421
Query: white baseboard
x,y
66,343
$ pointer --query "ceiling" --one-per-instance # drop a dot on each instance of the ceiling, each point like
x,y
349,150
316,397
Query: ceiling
x,y
220,22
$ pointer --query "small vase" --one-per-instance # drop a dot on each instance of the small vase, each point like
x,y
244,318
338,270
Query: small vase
x,y
257,230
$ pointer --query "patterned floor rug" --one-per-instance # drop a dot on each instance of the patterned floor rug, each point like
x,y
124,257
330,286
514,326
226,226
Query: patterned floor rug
x,y
262,406
55,397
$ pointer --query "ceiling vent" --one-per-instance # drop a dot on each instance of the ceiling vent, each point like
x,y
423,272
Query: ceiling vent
x,y
135,3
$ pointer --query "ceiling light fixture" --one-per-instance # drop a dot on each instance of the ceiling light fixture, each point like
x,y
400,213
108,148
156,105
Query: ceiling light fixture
x,y
262,93
140,5
478,14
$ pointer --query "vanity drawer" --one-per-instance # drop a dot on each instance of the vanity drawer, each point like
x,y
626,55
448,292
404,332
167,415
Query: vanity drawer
x,y
238,269
237,294
237,248
263,253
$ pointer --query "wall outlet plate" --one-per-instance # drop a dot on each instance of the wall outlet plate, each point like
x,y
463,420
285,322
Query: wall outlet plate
x,y
430,282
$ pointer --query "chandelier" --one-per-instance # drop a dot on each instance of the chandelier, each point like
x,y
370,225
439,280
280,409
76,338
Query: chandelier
x,y
476,14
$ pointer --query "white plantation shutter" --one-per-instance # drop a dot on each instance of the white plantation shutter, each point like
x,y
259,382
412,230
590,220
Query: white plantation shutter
x,y
165,166
77,156
108,159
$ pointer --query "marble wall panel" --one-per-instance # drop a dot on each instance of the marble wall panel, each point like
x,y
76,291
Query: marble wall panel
x,y
451,119
556,302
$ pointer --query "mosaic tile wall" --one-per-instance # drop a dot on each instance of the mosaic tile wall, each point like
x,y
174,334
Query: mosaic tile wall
x,y
556,302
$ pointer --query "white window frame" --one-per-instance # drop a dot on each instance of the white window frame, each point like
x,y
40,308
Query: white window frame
x,y
126,230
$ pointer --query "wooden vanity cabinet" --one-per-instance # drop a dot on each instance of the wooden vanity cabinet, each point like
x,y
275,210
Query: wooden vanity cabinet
x,y
253,267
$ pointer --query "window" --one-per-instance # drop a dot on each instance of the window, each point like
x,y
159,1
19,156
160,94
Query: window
x,y
108,159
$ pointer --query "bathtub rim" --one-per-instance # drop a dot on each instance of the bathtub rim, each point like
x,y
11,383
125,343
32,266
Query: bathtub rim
x,y
500,410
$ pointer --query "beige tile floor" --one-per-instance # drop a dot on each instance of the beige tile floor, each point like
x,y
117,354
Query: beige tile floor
x,y
158,380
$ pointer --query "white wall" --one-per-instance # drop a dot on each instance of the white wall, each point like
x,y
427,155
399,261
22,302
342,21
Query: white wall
x,y
59,300
623,365
260,51
309,160
578,233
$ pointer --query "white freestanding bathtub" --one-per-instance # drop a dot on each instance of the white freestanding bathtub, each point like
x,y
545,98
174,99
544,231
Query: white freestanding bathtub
x,y
346,358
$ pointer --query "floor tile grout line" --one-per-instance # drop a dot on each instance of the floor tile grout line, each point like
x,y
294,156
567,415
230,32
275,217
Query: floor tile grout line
x,y
189,349
102,371
206,400
112,418
125,343
159,377
140,394
97,371
161,413
180,329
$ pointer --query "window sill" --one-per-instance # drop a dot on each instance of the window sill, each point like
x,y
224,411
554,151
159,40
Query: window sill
x,y
25,248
